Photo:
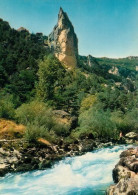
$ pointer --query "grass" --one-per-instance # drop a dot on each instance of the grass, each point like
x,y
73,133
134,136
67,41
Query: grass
x,y
11,130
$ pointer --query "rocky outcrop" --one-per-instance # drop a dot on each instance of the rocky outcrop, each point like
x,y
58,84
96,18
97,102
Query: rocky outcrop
x,y
125,174
89,61
131,137
65,118
20,156
8,160
114,71
63,41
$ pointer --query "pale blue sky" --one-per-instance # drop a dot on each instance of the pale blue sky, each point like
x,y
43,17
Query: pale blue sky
x,y
104,27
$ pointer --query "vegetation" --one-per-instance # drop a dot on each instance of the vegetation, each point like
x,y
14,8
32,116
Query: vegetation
x,y
19,52
7,107
34,84
39,121
129,63
98,122
10,130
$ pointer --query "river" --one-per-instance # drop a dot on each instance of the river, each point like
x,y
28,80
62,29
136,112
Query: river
x,y
89,174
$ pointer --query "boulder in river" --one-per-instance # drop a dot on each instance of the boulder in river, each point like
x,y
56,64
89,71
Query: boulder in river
x,y
125,174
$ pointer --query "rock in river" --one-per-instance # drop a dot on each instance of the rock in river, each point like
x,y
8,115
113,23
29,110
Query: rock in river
x,y
125,174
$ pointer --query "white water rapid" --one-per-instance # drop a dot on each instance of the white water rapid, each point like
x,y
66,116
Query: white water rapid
x,y
89,174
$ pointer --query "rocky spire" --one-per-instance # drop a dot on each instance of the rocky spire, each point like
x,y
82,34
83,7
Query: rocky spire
x,y
61,12
63,41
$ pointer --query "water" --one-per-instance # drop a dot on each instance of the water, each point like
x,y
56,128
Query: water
x,y
89,174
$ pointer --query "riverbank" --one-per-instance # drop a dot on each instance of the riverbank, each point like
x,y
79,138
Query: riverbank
x,y
125,174
90,173
21,156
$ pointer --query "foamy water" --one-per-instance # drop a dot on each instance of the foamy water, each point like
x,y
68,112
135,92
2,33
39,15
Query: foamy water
x,y
89,174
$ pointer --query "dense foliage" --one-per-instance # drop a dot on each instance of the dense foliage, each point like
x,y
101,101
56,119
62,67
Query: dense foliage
x,y
40,121
19,52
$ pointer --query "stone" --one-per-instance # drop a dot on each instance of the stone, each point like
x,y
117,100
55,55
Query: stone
x,y
124,187
65,118
63,41
21,156
131,135
125,174
61,113
129,141
3,166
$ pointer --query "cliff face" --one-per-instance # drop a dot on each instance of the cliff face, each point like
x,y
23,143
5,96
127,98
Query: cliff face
x,y
63,41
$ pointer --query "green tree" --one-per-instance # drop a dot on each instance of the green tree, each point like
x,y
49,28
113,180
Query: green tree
x,y
50,75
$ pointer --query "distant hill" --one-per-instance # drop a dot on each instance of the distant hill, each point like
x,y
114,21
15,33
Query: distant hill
x,y
129,62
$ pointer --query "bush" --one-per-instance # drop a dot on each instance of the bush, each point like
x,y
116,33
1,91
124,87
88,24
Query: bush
x,y
34,131
80,133
118,118
126,122
61,129
35,111
7,107
97,122
40,121
131,120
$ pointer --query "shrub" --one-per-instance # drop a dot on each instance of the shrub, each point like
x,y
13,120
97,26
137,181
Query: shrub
x,y
97,122
35,111
126,122
40,121
61,129
118,118
80,133
131,120
7,107
34,131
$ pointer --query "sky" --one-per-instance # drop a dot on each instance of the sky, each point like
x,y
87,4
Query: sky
x,y
105,28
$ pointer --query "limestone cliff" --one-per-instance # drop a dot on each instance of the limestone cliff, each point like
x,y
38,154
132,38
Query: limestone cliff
x,y
63,41
89,61
114,70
